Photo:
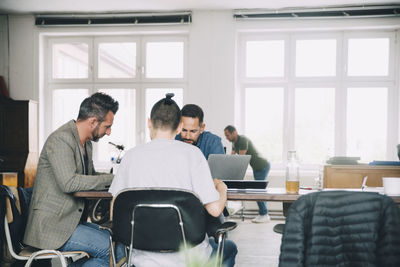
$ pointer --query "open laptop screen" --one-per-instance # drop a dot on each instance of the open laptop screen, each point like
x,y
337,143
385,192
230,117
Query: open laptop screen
x,y
228,167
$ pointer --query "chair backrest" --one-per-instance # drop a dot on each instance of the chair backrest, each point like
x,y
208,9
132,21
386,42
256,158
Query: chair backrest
x,y
342,228
15,202
157,228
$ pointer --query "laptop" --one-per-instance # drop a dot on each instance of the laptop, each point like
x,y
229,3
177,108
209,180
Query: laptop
x,y
246,186
228,167
231,169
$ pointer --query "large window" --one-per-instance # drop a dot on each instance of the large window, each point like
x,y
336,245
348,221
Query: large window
x,y
137,71
321,94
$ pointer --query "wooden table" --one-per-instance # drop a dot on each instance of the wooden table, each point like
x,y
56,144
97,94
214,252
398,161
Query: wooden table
x,y
242,196
93,194
286,198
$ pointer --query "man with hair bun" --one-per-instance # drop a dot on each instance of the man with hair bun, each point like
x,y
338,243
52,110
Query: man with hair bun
x,y
166,162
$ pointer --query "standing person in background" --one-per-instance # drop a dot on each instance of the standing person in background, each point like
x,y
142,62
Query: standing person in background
x,y
193,131
243,146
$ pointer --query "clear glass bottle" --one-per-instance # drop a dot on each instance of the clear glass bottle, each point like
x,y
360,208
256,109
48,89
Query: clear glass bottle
x,y
319,180
292,173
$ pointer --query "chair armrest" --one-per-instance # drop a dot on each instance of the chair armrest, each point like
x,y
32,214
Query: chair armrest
x,y
225,227
213,224
101,227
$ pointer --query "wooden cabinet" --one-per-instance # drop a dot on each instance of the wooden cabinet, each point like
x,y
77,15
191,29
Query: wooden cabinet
x,y
19,139
351,176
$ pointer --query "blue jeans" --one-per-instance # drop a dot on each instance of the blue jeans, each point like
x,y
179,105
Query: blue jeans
x,y
90,238
262,175
230,251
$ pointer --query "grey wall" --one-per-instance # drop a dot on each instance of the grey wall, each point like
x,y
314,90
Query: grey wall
x,y
4,63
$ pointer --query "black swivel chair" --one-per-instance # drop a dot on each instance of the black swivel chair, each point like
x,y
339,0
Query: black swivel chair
x,y
162,220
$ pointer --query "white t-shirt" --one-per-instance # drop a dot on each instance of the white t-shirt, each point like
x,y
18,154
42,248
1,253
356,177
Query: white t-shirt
x,y
166,163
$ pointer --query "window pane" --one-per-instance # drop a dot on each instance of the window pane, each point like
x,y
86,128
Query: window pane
x,y
66,103
123,131
70,61
264,121
164,60
368,57
315,58
314,123
117,60
367,123
265,58
155,94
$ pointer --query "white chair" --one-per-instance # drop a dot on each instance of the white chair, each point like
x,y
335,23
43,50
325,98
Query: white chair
x,y
29,253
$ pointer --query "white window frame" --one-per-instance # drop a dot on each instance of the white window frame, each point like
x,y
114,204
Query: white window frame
x,y
160,39
340,82
116,39
93,83
59,40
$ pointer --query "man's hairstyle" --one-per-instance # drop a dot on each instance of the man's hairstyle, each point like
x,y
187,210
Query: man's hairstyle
x,y
166,114
97,105
230,129
193,111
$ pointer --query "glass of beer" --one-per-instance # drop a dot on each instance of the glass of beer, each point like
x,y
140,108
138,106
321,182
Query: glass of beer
x,y
292,174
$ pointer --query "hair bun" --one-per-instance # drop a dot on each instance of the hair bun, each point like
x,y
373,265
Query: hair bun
x,y
168,98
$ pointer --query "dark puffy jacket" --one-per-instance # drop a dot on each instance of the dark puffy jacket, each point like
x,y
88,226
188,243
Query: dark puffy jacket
x,y
342,228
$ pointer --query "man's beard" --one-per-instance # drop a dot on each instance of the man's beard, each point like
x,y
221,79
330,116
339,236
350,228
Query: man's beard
x,y
190,141
95,134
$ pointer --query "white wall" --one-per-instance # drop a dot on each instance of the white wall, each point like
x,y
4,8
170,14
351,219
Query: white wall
x,y
211,68
4,47
23,66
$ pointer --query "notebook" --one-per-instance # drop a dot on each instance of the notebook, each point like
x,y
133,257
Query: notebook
x,y
228,167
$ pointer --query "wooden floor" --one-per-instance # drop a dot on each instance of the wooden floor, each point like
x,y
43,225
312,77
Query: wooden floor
x,y
258,245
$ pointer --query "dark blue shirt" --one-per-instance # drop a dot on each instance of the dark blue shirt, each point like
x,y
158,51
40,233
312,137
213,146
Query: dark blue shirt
x,y
208,143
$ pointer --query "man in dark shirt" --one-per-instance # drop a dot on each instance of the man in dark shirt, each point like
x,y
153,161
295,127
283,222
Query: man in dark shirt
x,y
243,146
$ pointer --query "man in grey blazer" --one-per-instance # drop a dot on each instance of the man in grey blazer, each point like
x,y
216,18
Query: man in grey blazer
x,y
58,220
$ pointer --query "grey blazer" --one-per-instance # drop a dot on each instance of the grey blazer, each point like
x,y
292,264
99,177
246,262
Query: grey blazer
x,y
54,212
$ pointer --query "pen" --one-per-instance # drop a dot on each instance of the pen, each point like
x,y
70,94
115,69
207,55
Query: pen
x,y
306,188
364,183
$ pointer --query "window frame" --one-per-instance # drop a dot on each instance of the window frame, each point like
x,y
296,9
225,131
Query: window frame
x,y
160,39
49,54
93,83
340,82
115,39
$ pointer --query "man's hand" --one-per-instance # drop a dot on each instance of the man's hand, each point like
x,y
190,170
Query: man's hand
x,y
215,208
219,183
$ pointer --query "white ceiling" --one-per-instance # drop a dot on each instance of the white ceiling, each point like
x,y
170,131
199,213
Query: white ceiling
x,y
125,6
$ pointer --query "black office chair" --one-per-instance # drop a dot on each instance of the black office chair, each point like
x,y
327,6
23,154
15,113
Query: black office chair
x,y
342,228
162,220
